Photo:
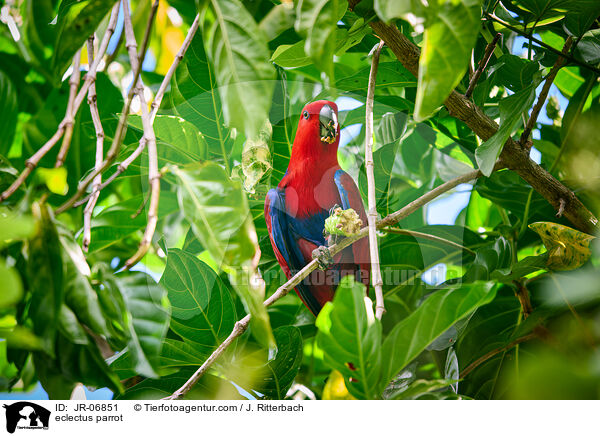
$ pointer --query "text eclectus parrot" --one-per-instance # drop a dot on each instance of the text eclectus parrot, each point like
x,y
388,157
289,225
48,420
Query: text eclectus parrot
x,y
296,210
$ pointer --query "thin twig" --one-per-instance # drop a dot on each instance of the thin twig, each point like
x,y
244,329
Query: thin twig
x,y
122,167
115,146
372,199
541,43
492,353
241,326
544,92
178,57
70,115
416,234
89,78
92,102
522,294
149,136
489,50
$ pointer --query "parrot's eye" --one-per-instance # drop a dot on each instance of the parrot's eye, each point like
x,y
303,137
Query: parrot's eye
x,y
305,115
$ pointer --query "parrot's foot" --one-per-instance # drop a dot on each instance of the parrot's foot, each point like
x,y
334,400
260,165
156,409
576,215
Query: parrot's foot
x,y
323,256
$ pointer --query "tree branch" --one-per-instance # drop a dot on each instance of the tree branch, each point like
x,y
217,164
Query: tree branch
x,y
89,78
372,200
70,115
178,57
92,102
149,136
513,156
155,106
241,326
535,112
115,146
489,50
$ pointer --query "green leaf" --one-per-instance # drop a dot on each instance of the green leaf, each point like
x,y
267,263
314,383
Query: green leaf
x,y
580,16
274,379
203,313
291,55
12,288
421,387
121,219
389,10
146,320
389,74
74,363
178,141
14,226
241,60
542,12
490,328
195,96
449,39
280,18
515,73
76,18
511,109
350,338
256,157
217,210
316,22
8,113
440,311
46,277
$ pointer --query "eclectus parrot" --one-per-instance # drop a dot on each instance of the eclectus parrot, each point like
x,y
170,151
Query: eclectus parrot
x,y
296,210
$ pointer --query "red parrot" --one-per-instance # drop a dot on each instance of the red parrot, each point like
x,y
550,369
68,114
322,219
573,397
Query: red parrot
x,y
296,210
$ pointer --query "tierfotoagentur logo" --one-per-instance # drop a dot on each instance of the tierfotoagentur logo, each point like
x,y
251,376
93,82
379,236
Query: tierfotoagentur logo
x,y
26,415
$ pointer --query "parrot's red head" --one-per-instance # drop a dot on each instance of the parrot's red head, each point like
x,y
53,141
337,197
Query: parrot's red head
x,y
319,123
318,134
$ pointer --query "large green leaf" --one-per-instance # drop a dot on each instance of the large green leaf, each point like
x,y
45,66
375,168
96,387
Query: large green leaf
x,y
436,315
316,22
241,60
46,277
12,287
449,38
350,338
146,320
490,328
511,109
581,15
178,141
8,113
202,309
541,12
122,219
218,212
195,97
76,19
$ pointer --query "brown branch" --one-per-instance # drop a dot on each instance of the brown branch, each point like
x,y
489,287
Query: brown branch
x,y
492,353
149,135
376,279
535,112
522,294
115,146
241,326
489,50
155,106
89,78
513,156
70,115
92,102
178,57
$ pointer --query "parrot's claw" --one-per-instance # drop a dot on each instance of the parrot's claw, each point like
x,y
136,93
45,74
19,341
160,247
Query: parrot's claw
x,y
323,257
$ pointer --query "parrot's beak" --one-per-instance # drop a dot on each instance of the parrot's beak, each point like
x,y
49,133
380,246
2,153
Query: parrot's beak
x,y
329,124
